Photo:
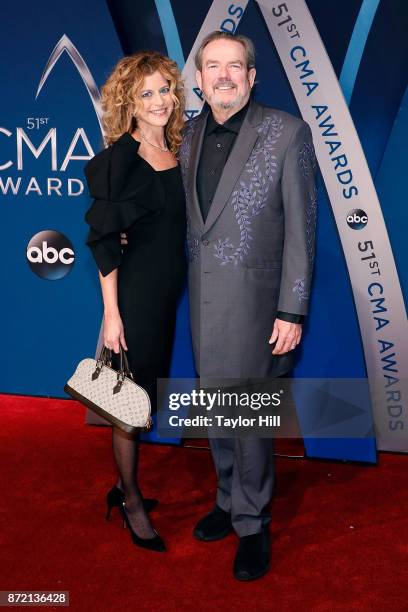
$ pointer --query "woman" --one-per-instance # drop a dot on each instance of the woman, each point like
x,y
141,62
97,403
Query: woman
x,y
137,187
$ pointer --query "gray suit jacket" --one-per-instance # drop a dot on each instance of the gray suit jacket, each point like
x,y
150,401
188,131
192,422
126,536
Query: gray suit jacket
x,y
254,253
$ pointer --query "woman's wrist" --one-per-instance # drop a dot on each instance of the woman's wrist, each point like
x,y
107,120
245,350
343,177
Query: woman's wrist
x,y
111,313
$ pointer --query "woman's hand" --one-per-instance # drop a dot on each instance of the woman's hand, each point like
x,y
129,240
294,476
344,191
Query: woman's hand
x,y
113,332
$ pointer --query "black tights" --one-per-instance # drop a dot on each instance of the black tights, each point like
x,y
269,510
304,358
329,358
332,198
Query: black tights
x,y
126,453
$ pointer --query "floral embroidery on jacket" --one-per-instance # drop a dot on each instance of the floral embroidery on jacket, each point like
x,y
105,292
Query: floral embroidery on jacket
x,y
185,149
308,165
311,214
193,242
307,159
300,288
252,195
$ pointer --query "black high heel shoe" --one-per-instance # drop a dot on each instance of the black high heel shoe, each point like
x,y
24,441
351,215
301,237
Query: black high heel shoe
x,y
115,498
155,543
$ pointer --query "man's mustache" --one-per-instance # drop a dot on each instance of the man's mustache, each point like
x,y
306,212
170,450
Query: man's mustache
x,y
224,83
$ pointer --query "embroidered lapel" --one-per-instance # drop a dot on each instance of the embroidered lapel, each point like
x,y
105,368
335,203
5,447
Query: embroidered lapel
x,y
237,159
195,152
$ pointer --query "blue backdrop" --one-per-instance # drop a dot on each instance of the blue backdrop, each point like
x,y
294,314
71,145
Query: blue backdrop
x,y
49,325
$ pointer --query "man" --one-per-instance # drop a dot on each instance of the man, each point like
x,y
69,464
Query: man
x,y
248,172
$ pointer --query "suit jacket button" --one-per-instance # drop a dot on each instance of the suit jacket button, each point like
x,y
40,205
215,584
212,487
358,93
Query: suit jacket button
x,y
206,242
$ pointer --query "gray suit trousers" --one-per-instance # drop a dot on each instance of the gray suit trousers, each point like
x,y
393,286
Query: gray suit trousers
x,y
245,473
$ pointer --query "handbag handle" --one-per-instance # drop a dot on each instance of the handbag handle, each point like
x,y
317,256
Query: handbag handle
x,y
105,358
123,370
124,364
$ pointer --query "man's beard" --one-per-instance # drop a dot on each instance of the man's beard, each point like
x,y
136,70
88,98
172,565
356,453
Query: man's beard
x,y
232,104
212,100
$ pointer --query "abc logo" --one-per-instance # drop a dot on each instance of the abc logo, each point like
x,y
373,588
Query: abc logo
x,y
50,255
357,219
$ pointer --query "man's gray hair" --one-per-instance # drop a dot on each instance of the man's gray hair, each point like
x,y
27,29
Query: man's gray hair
x,y
219,35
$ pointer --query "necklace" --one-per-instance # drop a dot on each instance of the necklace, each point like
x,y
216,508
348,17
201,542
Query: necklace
x,y
164,149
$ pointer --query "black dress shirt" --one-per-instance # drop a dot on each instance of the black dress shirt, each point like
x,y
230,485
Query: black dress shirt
x,y
217,144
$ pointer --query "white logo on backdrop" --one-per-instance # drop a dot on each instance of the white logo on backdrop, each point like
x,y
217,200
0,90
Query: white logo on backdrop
x,y
65,44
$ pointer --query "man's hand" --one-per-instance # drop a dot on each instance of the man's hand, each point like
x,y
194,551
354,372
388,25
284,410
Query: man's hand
x,y
287,336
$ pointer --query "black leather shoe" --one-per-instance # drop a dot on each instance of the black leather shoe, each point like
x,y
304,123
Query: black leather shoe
x,y
253,556
115,498
155,543
214,526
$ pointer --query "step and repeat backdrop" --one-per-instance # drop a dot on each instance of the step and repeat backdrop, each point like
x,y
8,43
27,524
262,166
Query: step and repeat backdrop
x,y
342,67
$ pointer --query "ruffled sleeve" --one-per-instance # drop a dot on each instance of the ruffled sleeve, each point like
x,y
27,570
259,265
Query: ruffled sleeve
x,y
125,189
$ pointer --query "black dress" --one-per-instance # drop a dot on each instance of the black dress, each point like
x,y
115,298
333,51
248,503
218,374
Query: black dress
x,y
129,195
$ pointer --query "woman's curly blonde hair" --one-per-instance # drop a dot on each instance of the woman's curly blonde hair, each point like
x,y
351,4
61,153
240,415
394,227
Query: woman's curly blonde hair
x,y
120,96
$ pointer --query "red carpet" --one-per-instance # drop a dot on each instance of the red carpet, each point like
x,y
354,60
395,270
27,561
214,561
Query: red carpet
x,y
339,531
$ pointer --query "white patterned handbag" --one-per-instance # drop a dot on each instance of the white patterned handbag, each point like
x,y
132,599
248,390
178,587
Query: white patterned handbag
x,y
112,395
